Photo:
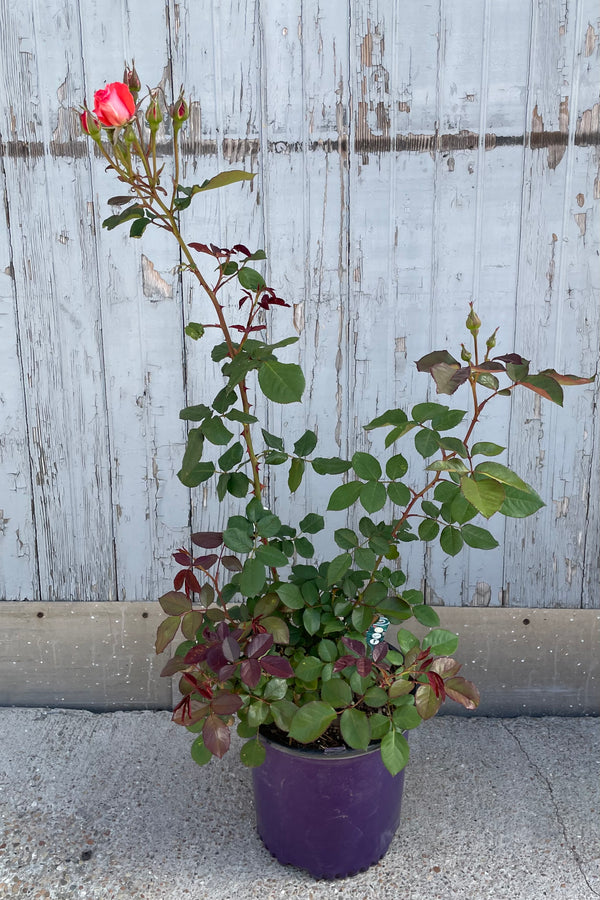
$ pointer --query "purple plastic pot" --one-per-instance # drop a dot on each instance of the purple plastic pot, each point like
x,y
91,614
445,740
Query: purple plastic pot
x,y
334,813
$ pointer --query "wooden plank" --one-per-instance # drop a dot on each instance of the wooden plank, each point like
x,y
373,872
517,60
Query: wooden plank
x,y
88,655
100,656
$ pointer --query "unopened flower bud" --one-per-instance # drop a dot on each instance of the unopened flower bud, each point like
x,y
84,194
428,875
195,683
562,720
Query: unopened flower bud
x,y
128,135
90,124
491,341
153,113
179,111
131,78
473,322
464,354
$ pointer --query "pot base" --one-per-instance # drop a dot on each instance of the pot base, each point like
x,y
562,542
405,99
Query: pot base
x,y
333,814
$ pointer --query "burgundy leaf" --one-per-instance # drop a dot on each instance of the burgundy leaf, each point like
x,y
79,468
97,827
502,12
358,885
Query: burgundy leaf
x,y
239,248
195,655
437,684
178,580
363,667
343,662
201,248
176,664
247,330
191,582
231,649
463,692
189,711
278,666
380,652
250,672
207,539
222,630
205,690
357,646
215,658
259,645
205,562
182,557
512,358
226,704
216,736
226,672
231,563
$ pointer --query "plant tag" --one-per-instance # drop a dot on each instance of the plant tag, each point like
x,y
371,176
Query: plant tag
x,y
376,632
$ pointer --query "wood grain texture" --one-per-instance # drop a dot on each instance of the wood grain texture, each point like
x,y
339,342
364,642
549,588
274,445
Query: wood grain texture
x,y
409,158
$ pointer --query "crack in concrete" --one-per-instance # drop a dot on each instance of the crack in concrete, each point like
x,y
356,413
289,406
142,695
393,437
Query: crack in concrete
x,y
571,847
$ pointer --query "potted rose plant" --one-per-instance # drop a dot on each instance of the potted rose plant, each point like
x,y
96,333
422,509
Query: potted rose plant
x,y
290,648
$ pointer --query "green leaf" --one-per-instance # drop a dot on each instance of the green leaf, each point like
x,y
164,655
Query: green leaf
x,y
345,495
312,523
426,442
271,556
138,227
395,417
448,465
406,717
231,457
376,697
220,180
295,474
372,496
194,330
311,619
374,593
426,615
281,382
283,711
544,386
338,567
365,558
345,538
454,445
331,466
428,530
520,504
311,721
215,431
309,668
441,642
165,632
485,495
278,628
451,540
290,595
175,603
394,752
479,538
336,692
250,279
238,415
195,414
395,608
396,466
132,212
252,577
276,457
406,640
252,754
448,419
484,448
398,493
200,753
362,618
426,701
268,525
422,412
356,731
380,725
305,444
366,466
461,510
516,371
238,535
502,474
486,379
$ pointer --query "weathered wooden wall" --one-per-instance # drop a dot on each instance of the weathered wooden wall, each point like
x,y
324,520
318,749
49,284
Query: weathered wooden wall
x,y
410,156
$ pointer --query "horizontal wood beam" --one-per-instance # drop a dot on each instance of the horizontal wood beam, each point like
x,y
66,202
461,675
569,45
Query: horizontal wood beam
x,y
99,656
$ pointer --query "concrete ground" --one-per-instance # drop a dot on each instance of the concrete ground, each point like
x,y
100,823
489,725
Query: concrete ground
x,y
97,806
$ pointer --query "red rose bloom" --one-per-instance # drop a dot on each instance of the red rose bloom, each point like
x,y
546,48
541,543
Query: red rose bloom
x,y
114,105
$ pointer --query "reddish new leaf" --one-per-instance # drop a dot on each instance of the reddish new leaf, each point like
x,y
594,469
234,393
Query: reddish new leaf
x,y
205,562
363,666
192,585
231,563
567,379
250,672
216,736
215,658
201,248
463,691
426,702
226,672
278,666
357,646
343,662
437,683
195,655
226,704
182,558
231,648
380,652
207,539
176,664
259,645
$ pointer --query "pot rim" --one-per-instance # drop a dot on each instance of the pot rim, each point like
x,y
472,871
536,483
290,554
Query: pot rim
x,y
333,753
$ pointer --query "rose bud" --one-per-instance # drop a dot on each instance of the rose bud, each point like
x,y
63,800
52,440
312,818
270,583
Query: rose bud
x,y
90,124
114,105
473,322
132,79
179,111
153,113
